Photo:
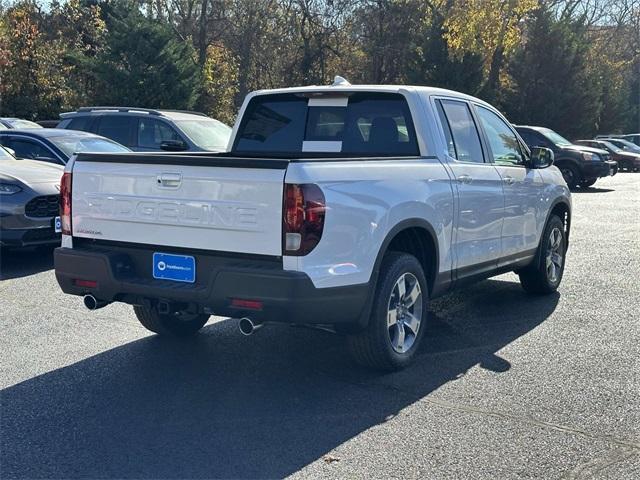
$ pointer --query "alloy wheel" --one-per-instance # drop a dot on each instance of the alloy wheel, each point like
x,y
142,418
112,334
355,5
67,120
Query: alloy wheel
x,y
554,256
404,313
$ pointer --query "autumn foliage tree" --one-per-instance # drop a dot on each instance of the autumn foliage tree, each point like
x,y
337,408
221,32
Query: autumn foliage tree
x,y
570,64
220,83
32,76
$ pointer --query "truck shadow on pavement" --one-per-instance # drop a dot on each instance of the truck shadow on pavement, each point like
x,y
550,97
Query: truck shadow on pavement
x,y
226,406
16,263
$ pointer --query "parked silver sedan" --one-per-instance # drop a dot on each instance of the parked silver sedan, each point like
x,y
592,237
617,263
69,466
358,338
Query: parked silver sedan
x,y
29,193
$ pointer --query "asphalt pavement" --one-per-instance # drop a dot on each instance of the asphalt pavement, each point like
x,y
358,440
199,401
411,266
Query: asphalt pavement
x,y
507,385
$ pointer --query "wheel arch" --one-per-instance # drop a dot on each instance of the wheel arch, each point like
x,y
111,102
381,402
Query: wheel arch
x,y
417,237
423,235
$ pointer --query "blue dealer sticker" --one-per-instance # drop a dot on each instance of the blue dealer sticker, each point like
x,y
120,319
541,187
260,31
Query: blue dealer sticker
x,y
179,268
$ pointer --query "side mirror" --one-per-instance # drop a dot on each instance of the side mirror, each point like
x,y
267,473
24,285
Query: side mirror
x,y
541,157
173,146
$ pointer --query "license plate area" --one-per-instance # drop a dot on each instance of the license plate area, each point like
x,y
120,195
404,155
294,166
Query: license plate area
x,y
177,268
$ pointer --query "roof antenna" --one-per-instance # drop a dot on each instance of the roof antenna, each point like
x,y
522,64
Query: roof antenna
x,y
339,81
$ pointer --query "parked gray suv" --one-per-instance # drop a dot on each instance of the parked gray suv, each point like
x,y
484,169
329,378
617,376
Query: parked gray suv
x,y
146,130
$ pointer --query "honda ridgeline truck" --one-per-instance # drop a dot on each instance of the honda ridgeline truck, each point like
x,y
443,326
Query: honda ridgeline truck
x,y
344,207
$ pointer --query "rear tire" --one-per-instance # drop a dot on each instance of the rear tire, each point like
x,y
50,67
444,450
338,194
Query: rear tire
x,y
544,275
398,315
181,324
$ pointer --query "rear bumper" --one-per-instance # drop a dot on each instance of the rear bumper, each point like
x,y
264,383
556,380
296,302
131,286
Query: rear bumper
x,y
124,274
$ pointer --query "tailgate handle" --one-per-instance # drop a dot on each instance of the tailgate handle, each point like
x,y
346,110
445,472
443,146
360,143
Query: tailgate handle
x,y
169,180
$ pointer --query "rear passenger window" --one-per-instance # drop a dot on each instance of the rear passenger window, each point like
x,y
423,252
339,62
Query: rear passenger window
x,y
79,123
463,131
118,128
357,124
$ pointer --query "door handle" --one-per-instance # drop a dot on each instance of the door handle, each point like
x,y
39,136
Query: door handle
x,y
509,180
171,180
464,179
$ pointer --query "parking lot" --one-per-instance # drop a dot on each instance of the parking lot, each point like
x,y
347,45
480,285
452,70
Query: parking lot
x,y
507,385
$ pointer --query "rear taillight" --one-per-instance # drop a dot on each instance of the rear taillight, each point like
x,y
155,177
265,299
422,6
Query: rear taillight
x,y
65,203
303,218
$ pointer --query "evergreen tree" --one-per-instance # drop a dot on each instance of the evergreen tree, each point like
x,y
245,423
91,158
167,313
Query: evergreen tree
x,y
633,119
143,64
550,82
437,68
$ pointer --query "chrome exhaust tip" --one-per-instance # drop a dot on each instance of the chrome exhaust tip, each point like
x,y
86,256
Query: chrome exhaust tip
x,y
247,326
92,303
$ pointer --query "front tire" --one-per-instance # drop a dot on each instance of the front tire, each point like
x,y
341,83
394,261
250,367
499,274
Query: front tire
x,y
181,324
398,315
544,275
571,175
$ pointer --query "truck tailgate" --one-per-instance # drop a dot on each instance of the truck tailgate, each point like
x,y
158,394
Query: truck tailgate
x,y
180,201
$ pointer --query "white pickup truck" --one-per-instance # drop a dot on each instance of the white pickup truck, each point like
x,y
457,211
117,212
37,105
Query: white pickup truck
x,y
343,207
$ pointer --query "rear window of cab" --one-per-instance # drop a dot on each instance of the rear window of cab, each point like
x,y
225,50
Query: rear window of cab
x,y
346,125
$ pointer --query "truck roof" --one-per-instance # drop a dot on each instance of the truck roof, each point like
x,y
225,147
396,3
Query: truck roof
x,y
346,88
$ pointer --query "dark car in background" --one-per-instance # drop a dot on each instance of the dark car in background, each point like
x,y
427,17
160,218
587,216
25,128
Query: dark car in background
x,y
629,137
627,160
632,137
626,145
146,130
11,123
55,146
580,165
29,197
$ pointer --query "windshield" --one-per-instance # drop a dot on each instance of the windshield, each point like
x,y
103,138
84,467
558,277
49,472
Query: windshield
x,y
611,146
363,124
17,123
555,138
4,155
70,145
206,133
